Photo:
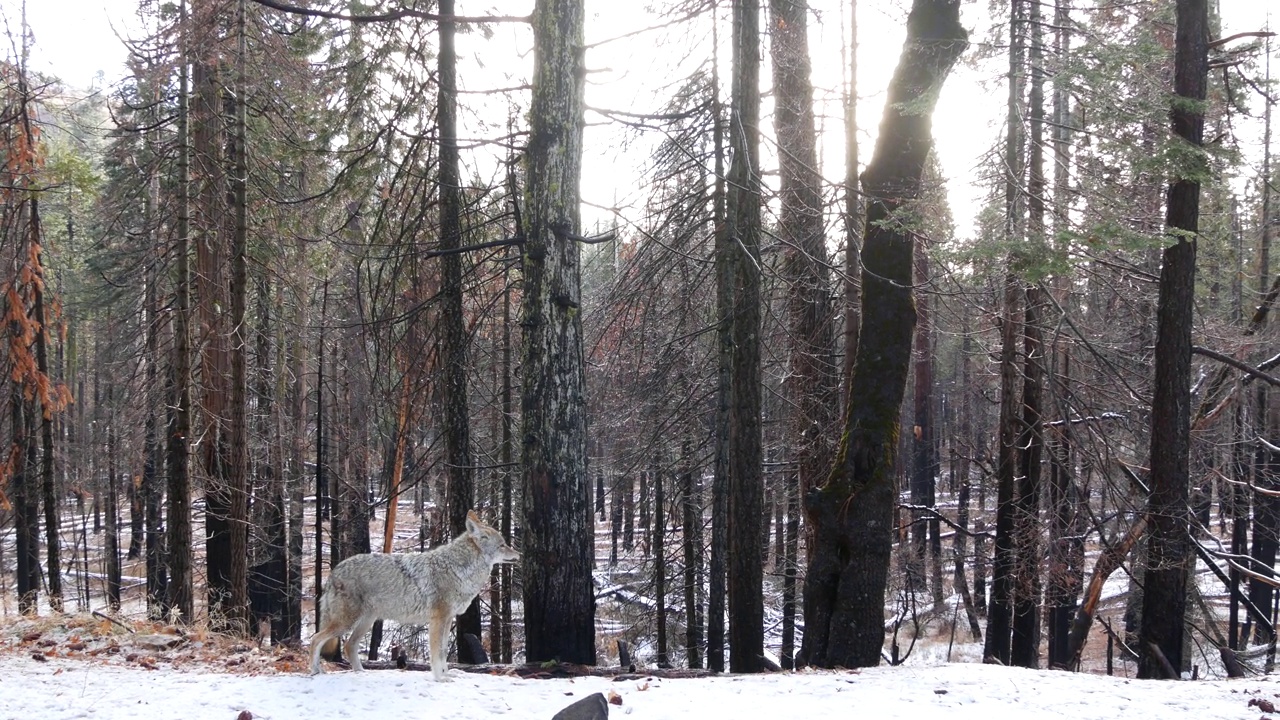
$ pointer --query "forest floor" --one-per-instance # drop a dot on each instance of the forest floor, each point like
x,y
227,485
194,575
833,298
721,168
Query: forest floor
x,y
84,666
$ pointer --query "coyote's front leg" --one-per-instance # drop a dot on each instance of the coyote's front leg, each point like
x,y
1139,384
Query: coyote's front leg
x,y
436,634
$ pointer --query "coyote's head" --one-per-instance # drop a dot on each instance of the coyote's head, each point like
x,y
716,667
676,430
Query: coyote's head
x,y
490,541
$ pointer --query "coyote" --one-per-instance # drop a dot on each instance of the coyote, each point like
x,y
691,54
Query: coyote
x,y
413,588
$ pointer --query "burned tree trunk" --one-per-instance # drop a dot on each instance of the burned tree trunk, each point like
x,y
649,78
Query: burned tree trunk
x,y
558,598
851,512
1164,599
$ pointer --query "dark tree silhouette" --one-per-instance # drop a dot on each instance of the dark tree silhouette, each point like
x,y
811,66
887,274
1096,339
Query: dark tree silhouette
x,y
851,513
1168,550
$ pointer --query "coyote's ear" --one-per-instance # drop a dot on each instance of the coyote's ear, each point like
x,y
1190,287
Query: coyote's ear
x,y
472,520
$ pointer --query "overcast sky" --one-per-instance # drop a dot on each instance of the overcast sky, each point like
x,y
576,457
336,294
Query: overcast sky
x,y
78,39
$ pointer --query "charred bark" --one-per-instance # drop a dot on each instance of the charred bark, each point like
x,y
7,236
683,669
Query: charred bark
x,y
851,512
1164,599
559,600
746,453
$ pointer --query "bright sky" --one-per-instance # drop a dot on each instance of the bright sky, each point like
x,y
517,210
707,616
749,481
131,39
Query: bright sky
x,y
76,39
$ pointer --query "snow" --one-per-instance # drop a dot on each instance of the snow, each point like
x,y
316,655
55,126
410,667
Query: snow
x,y
110,689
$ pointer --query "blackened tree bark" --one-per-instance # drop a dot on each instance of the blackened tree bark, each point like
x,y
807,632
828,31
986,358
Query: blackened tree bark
x,y
237,469
508,456
1168,549
153,455
661,657
813,384
627,488
645,509
26,507
1266,515
47,398
852,512
457,425
1025,642
1025,647
1066,544
558,598
269,574
724,268
111,543
322,458
178,540
691,532
997,646
152,480
210,227
746,453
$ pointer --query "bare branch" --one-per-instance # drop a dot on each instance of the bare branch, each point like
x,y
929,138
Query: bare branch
x,y
389,16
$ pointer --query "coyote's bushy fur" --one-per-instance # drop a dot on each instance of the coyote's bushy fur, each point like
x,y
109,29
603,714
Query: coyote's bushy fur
x,y
429,588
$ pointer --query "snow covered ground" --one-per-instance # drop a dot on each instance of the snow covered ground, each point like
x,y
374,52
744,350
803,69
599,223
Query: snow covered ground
x,y
111,689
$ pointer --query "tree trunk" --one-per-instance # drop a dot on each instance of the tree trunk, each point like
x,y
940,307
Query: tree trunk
x,y
269,575
790,574
644,508
212,284
321,477
1025,648
508,458
852,512
814,382
1266,518
661,657
746,480
237,470
152,481
724,269
852,215
559,600
181,595
456,423
691,536
1164,599
962,469
1025,644
1239,499
1004,563
26,507
48,404
627,496
152,478
1066,546
112,510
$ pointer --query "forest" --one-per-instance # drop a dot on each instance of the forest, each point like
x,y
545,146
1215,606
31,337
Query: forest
x,y
315,278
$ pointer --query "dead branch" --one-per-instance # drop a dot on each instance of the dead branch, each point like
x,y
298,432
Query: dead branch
x,y
1108,561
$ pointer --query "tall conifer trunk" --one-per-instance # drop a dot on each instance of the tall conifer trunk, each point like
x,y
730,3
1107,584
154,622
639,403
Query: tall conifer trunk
x,y
746,478
181,598
457,427
1169,550
559,600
